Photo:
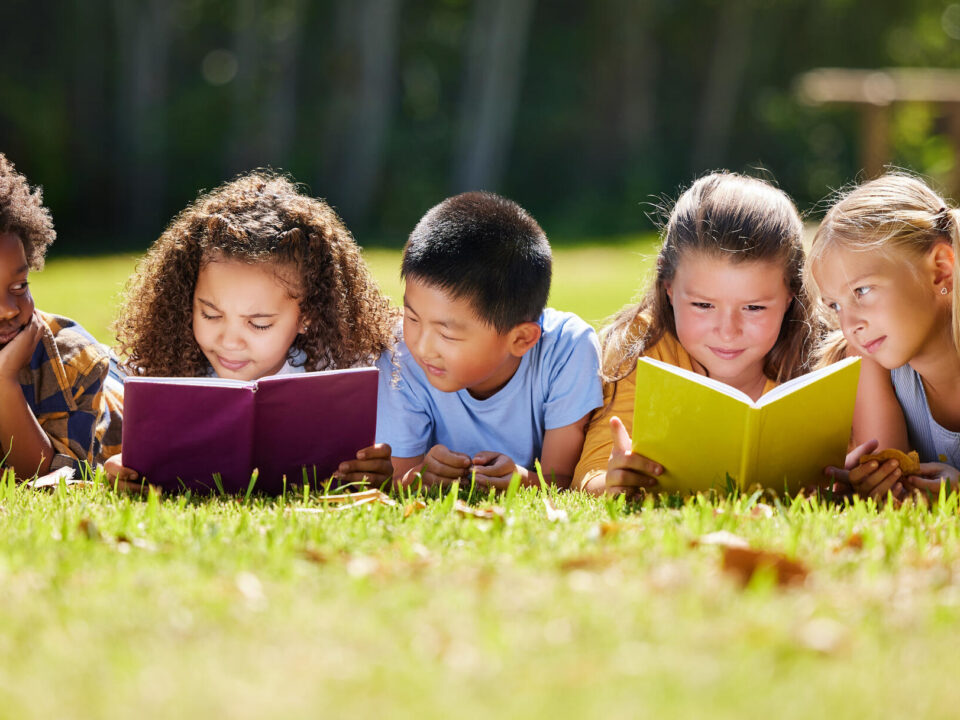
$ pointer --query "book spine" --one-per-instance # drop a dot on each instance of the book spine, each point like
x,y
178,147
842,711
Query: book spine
x,y
748,452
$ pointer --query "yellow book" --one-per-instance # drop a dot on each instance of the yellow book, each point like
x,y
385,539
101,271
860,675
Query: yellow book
x,y
703,431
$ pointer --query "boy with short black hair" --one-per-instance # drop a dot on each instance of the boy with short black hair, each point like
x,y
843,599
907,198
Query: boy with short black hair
x,y
53,412
488,380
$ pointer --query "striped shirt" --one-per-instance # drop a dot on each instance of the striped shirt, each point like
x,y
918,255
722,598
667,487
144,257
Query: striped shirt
x,y
64,386
932,441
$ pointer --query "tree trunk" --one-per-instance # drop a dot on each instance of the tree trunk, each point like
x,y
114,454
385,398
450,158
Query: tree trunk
x,y
725,76
496,50
144,35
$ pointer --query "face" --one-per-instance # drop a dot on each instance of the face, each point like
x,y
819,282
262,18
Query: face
x,y
244,318
728,315
16,303
453,347
886,309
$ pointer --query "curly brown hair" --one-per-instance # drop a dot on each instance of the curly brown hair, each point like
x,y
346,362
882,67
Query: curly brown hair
x,y
258,217
22,213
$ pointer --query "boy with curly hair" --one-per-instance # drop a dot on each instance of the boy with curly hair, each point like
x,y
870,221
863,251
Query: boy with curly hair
x,y
489,381
53,410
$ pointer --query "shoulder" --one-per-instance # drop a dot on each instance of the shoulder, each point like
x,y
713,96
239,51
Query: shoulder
x,y
564,331
76,348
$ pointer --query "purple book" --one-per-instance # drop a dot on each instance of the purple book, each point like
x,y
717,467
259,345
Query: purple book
x,y
179,432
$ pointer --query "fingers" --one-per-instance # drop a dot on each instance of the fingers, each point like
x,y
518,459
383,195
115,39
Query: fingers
x,y
621,439
485,457
371,471
501,482
443,466
874,479
837,474
378,451
853,457
632,469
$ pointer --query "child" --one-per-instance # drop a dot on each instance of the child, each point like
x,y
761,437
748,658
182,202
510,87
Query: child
x,y
885,260
255,279
53,412
727,302
488,380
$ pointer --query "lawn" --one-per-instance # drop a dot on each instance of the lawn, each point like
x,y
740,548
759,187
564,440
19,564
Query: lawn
x,y
120,605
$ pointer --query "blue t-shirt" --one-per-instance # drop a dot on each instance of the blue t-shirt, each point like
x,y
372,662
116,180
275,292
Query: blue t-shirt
x,y
556,384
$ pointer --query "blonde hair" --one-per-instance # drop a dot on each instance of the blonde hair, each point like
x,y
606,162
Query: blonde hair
x,y
729,216
897,213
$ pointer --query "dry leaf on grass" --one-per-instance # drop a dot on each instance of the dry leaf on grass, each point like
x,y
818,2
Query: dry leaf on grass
x,y
721,538
414,507
52,480
761,510
491,513
745,562
89,528
554,514
347,501
604,530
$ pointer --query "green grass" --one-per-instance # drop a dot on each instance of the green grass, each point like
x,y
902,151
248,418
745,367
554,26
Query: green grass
x,y
593,281
119,605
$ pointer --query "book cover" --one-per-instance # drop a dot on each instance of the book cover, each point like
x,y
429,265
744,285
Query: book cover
x,y
180,432
703,431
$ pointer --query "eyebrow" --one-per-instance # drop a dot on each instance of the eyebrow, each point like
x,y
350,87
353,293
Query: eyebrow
x,y
449,324
251,315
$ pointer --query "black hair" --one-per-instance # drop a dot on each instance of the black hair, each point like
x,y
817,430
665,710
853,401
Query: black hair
x,y
486,249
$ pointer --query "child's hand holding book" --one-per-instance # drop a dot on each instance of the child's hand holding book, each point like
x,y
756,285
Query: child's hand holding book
x,y
628,472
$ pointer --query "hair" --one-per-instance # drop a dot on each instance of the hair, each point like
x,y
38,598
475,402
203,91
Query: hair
x,y
736,218
898,214
22,213
257,218
486,249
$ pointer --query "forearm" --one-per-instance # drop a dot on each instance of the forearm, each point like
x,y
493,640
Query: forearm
x,y
24,443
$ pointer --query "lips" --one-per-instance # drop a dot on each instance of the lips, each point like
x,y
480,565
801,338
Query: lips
x,y
434,370
232,365
725,354
7,334
874,345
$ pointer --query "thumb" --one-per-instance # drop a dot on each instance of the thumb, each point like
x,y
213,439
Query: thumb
x,y
621,439
484,457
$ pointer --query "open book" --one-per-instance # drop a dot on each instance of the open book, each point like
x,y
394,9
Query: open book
x,y
180,432
703,431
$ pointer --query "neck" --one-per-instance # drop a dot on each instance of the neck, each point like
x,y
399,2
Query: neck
x,y
938,362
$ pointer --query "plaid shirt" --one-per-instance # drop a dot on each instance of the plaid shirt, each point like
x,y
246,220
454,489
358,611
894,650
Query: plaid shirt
x,y
64,385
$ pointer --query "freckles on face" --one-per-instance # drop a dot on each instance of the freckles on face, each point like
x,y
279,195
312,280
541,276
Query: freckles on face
x,y
16,302
728,314
244,317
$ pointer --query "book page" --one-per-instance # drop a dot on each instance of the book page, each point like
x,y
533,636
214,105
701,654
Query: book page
x,y
792,386
690,428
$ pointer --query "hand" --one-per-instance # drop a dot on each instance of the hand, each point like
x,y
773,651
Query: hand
x,y
442,466
495,470
843,486
932,476
372,465
123,477
627,471
16,353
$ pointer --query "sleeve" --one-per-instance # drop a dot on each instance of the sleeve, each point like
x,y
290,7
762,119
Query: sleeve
x,y
598,443
573,385
73,433
404,420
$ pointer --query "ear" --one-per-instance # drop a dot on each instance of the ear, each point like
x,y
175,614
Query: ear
x,y
668,286
302,327
522,337
940,259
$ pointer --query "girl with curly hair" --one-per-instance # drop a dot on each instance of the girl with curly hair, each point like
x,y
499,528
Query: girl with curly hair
x,y
255,279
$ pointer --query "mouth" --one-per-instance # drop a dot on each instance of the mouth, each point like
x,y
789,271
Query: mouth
x,y
232,365
725,354
874,345
434,370
8,334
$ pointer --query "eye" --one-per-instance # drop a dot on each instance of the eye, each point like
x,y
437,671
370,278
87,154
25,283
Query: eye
x,y
702,305
449,339
260,327
862,290
205,316
833,306
19,288
755,308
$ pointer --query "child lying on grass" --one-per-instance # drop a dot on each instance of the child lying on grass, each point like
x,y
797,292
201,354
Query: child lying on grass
x,y
54,410
255,279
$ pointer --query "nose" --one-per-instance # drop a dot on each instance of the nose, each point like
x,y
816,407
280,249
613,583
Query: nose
x,y
231,337
851,321
426,345
8,306
729,325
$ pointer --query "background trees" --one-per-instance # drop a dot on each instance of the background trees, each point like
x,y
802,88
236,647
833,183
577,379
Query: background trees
x,y
124,109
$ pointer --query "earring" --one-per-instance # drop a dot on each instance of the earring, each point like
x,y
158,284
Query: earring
x,y
943,291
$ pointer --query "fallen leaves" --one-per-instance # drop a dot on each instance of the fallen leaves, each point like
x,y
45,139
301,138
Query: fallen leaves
x,y
554,514
50,481
491,513
744,563
413,507
348,501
